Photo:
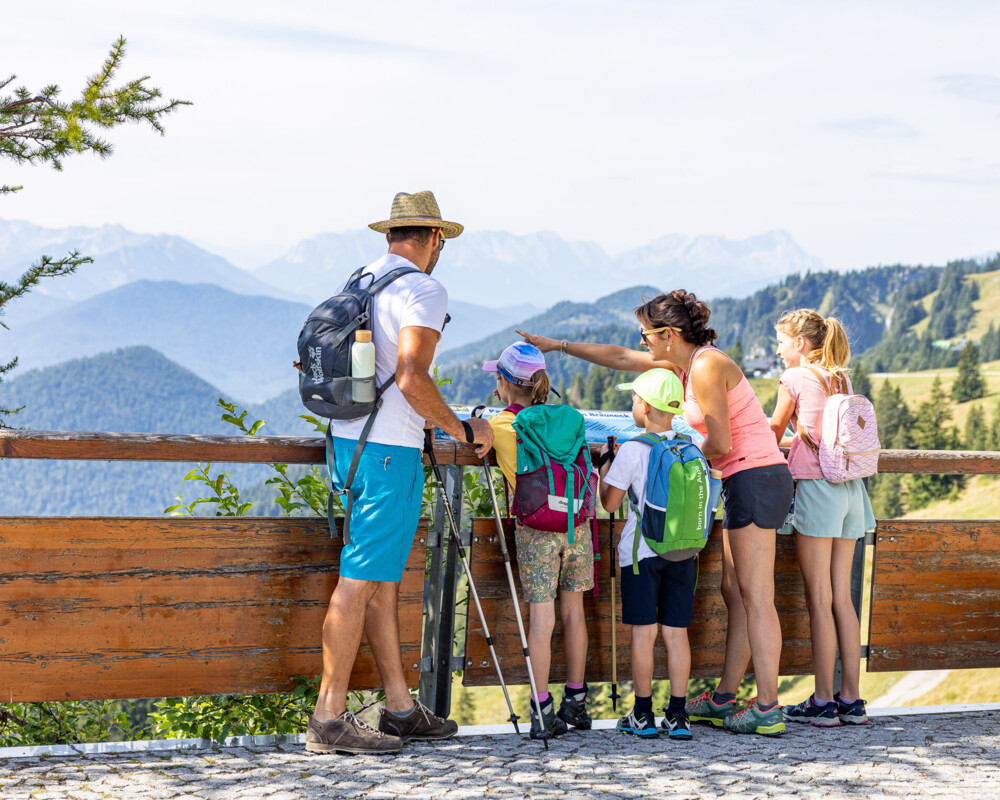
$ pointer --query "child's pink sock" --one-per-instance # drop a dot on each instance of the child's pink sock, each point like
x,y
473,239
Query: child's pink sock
x,y
542,697
576,686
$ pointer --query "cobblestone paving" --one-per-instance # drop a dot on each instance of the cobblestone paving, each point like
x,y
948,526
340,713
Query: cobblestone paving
x,y
943,756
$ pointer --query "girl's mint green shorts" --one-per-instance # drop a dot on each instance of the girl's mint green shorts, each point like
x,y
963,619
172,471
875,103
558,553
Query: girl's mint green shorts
x,y
388,488
831,510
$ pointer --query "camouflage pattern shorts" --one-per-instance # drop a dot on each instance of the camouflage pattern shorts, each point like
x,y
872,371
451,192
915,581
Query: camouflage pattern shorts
x,y
548,563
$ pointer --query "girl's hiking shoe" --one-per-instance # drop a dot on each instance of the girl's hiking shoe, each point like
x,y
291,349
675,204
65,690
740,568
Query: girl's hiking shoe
x,y
348,734
421,723
574,712
750,719
823,716
676,726
851,713
702,709
553,724
641,725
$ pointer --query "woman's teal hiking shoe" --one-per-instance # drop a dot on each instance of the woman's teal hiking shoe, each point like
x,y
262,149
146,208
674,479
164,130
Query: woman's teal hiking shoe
x,y
703,709
750,719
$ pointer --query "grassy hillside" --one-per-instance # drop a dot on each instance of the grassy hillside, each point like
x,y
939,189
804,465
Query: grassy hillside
x,y
916,388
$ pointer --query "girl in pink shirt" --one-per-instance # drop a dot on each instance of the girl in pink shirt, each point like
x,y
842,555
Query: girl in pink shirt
x,y
829,517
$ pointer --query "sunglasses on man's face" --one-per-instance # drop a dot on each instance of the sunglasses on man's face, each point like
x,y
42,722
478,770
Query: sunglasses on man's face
x,y
440,240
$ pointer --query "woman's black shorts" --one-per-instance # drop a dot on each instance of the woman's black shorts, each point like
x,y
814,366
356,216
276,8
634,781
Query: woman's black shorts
x,y
758,496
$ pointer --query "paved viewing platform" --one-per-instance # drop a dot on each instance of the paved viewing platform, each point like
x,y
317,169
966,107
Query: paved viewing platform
x,y
915,755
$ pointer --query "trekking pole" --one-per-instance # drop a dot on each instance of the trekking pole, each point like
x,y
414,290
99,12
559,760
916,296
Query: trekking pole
x,y
544,735
457,541
612,559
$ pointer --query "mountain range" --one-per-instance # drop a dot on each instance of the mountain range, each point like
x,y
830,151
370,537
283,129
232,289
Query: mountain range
x,y
486,268
489,267
243,344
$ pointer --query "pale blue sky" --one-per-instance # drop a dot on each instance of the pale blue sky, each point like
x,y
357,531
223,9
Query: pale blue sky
x,y
870,131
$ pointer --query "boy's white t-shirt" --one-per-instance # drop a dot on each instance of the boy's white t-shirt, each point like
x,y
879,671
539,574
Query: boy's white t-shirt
x,y
414,300
629,470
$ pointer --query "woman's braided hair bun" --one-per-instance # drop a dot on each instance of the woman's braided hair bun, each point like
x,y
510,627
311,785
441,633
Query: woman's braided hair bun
x,y
682,310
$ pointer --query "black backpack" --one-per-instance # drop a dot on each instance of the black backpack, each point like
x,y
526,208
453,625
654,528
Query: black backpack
x,y
325,370
325,348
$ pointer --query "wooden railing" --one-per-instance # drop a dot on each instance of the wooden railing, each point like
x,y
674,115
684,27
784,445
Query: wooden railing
x,y
107,607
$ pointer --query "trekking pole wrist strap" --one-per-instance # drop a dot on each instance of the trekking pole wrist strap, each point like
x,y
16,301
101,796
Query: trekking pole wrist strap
x,y
470,435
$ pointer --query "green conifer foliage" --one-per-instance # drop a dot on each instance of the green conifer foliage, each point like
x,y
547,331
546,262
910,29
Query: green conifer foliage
x,y
736,353
37,127
861,382
977,434
970,383
931,431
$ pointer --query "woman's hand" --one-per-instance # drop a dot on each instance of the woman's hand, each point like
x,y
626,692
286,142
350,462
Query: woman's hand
x,y
543,343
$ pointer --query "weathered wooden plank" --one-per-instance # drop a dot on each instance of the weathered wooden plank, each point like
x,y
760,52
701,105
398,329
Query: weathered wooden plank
x,y
132,607
101,446
935,595
707,633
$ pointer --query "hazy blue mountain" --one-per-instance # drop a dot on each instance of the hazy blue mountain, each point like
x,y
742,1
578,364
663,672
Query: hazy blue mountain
x,y
714,266
497,268
563,319
243,344
131,390
486,268
120,257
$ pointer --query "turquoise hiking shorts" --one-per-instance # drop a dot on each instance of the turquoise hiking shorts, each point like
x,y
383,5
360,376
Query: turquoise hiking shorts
x,y
388,488
831,510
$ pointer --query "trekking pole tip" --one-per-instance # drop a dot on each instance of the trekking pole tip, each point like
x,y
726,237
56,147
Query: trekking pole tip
x,y
512,719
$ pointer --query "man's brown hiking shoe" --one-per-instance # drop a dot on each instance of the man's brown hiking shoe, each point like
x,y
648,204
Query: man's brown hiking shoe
x,y
420,723
348,734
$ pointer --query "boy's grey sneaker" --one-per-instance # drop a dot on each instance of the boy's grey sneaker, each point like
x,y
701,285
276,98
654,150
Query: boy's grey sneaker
x,y
421,723
553,724
348,734
851,713
641,725
574,712
676,726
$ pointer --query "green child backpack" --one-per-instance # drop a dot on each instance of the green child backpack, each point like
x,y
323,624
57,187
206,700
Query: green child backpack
x,y
681,499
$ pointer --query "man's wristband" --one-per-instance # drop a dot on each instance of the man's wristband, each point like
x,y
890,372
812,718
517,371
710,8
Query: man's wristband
x,y
470,435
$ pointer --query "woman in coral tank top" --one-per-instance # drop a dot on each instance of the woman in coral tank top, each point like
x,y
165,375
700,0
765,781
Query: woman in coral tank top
x,y
757,491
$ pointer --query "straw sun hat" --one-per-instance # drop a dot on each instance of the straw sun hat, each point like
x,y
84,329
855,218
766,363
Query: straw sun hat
x,y
420,209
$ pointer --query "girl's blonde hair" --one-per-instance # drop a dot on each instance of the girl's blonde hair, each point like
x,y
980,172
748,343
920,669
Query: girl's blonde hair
x,y
540,387
830,348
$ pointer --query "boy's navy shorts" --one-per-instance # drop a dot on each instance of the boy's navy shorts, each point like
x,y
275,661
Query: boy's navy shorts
x,y
662,592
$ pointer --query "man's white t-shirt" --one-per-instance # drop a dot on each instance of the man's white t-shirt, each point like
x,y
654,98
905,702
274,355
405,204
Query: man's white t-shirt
x,y
629,470
414,300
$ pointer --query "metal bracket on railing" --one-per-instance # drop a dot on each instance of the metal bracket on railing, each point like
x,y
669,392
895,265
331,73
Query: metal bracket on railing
x,y
437,661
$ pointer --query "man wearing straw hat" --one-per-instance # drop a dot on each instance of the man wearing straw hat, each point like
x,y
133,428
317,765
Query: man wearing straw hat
x,y
408,315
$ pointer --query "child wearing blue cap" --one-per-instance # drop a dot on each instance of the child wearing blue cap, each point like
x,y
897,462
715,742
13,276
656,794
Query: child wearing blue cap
x,y
661,595
547,562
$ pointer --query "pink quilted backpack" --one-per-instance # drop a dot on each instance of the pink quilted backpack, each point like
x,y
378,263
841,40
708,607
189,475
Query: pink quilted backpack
x,y
849,447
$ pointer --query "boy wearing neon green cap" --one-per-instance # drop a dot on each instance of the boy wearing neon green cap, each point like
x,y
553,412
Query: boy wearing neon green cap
x,y
662,593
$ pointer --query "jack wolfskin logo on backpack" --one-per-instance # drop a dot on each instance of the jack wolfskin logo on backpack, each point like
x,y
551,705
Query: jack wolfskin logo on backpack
x,y
316,363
